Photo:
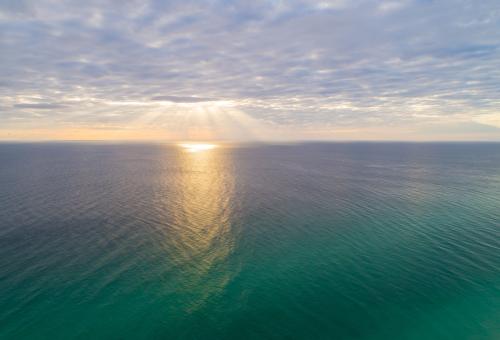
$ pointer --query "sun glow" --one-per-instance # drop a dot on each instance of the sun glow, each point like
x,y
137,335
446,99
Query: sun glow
x,y
197,147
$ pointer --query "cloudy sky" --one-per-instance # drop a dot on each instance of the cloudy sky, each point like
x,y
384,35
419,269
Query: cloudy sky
x,y
268,70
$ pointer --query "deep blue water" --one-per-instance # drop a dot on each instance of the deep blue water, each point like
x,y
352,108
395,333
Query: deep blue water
x,y
304,241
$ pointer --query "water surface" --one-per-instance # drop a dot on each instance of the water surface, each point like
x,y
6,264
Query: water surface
x,y
306,241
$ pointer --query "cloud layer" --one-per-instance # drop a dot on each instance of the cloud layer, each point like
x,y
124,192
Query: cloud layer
x,y
314,70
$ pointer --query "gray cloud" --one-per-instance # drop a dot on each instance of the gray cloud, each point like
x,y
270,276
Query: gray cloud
x,y
42,106
296,63
461,128
176,99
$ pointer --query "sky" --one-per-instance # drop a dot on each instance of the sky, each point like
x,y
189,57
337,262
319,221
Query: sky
x,y
250,70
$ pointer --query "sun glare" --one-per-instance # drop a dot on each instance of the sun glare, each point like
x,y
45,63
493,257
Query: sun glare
x,y
197,147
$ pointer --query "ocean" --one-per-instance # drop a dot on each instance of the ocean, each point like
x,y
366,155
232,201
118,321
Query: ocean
x,y
250,241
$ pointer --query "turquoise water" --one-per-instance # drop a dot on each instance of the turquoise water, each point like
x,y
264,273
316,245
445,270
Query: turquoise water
x,y
305,241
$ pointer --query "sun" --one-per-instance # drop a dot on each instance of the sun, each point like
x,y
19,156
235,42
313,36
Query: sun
x,y
197,147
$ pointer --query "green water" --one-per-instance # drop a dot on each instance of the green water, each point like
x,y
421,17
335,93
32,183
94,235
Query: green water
x,y
308,241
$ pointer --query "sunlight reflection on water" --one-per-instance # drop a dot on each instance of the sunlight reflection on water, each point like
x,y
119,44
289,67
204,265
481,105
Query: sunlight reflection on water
x,y
202,219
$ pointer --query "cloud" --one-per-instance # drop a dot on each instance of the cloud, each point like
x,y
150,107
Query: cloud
x,y
462,128
389,6
42,106
176,99
297,64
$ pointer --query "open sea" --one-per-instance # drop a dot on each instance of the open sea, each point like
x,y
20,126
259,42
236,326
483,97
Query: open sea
x,y
299,241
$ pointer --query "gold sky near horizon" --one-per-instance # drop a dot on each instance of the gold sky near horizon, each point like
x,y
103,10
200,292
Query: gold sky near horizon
x,y
413,133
